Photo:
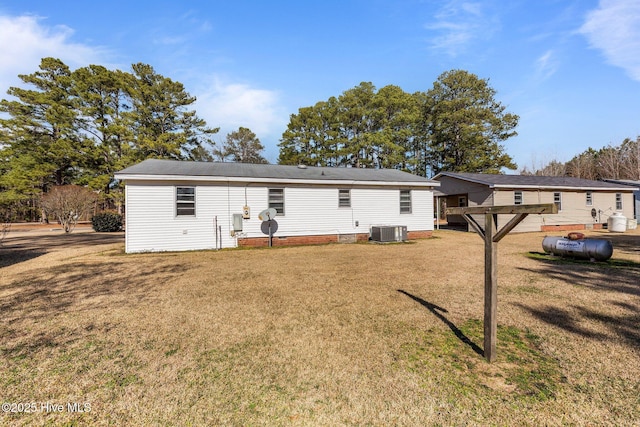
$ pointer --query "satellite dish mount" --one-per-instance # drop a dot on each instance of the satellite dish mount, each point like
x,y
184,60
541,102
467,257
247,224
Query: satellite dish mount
x,y
269,224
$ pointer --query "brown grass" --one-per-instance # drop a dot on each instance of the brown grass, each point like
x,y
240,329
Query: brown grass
x,y
359,334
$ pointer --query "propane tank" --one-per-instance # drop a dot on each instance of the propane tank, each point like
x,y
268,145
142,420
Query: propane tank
x,y
593,249
617,223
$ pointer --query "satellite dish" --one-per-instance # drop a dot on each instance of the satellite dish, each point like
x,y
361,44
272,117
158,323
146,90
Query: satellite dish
x,y
269,227
267,214
269,224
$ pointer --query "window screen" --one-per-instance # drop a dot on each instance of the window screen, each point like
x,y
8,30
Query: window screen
x,y
185,201
405,201
344,198
276,200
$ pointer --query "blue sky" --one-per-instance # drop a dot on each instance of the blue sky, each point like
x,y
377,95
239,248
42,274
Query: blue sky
x,y
569,69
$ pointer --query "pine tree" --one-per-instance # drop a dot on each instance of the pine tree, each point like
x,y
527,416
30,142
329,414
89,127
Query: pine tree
x,y
466,125
242,146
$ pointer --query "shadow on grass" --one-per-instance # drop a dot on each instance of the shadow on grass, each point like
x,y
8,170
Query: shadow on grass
x,y
51,291
11,257
15,250
576,319
614,275
624,242
81,288
437,311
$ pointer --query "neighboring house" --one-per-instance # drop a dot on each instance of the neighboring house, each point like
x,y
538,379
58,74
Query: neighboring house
x,y
180,205
636,193
582,203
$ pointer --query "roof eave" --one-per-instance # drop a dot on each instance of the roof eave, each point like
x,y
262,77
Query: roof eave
x,y
226,179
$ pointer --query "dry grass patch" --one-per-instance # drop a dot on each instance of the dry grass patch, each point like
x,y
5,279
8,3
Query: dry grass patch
x,y
325,335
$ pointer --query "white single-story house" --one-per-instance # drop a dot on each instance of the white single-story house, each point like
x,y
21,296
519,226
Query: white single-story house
x,y
182,205
582,203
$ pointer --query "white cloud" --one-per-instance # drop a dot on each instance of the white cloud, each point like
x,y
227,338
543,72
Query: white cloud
x,y
24,41
546,65
458,24
231,105
614,28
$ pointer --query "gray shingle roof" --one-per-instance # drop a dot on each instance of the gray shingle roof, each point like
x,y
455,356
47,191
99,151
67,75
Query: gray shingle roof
x,y
630,182
533,181
168,168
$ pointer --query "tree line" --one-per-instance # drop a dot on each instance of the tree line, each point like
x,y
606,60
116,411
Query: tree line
x,y
80,127
611,162
457,125
77,128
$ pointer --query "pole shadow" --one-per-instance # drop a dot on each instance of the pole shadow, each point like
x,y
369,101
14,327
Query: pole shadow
x,y
437,311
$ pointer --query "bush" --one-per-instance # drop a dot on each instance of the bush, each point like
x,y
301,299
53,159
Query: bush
x,y
107,222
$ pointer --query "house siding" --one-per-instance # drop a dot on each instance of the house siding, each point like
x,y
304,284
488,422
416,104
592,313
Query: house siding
x,y
575,213
310,210
476,194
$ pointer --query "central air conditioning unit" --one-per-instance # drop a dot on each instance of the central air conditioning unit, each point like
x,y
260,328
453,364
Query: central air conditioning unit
x,y
389,233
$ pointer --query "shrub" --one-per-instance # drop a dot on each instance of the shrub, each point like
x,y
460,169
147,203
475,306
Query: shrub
x,y
68,203
107,222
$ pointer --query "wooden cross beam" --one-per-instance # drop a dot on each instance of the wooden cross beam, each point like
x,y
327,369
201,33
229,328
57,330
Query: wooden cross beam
x,y
492,236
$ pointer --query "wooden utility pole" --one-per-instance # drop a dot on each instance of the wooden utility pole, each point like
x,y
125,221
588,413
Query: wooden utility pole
x,y
492,236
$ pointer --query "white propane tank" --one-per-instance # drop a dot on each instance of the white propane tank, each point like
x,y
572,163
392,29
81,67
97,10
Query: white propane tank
x,y
617,223
594,249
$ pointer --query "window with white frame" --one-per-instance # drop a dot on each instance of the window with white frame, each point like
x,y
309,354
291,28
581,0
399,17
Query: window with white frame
x,y
589,198
185,201
517,197
405,201
557,199
618,201
344,198
276,200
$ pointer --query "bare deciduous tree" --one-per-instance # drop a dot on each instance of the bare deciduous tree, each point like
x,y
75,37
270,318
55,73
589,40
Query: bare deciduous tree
x,y
609,163
584,165
630,154
552,168
68,203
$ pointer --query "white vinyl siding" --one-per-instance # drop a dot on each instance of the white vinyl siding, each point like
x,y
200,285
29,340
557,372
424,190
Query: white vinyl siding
x,y
310,210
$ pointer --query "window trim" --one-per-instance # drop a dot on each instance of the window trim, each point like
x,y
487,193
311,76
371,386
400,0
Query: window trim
x,y
183,204
271,203
589,198
344,202
558,202
619,205
406,209
465,199
518,198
